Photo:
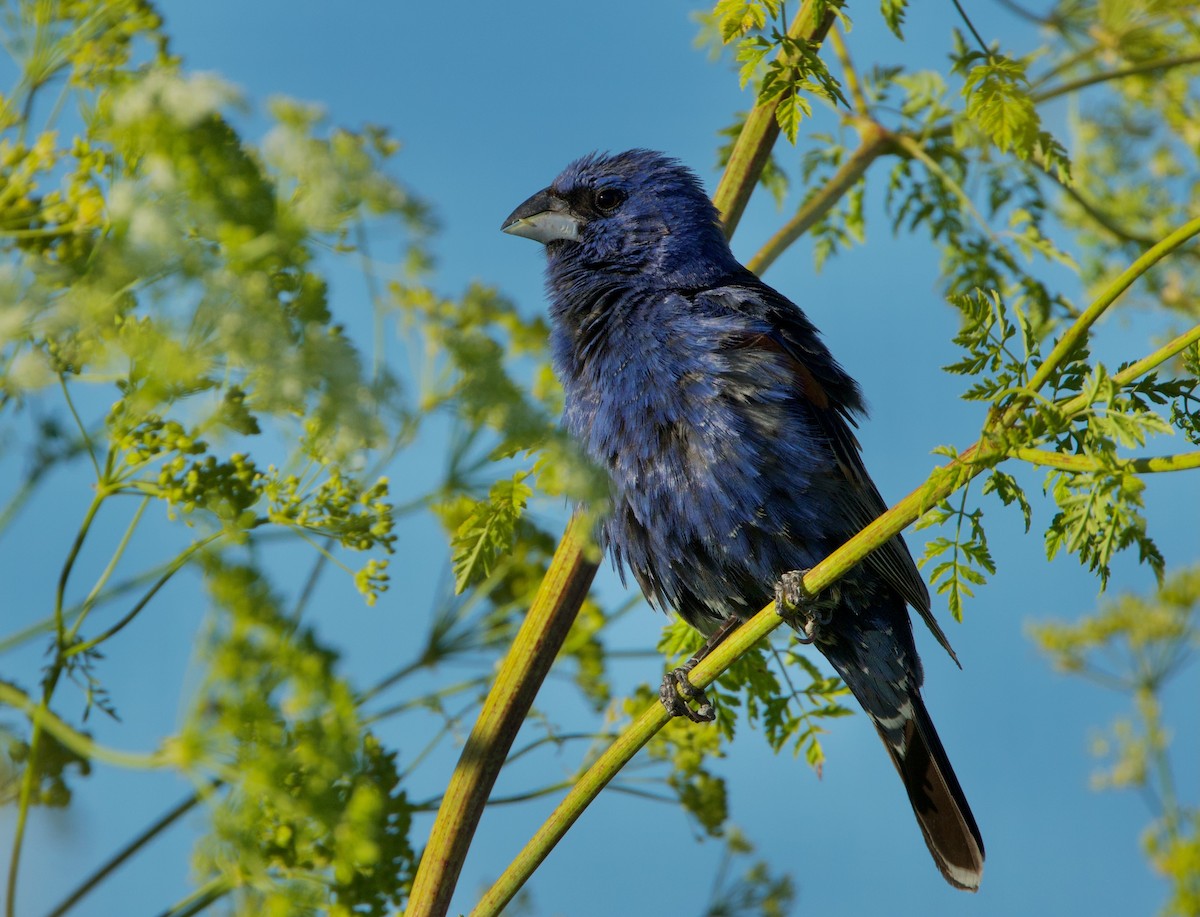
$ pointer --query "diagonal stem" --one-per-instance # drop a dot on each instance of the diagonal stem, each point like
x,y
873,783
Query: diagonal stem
x,y
522,673
875,141
1079,329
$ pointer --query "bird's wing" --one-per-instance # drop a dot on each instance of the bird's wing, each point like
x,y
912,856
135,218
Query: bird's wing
x,y
834,399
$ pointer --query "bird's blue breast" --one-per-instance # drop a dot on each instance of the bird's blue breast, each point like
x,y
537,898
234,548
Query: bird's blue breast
x,y
714,460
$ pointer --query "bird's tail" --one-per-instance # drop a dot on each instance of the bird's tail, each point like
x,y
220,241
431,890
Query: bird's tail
x,y
936,796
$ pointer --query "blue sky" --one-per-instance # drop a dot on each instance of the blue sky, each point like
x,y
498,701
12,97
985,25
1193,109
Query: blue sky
x,y
490,101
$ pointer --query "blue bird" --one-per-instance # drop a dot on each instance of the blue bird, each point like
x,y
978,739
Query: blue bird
x,y
725,426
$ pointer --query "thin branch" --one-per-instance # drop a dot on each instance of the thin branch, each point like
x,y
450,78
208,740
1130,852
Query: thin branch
x,y
1079,329
1050,21
206,895
65,574
176,565
90,601
1101,218
83,433
849,74
875,141
970,25
521,674
165,821
1183,461
1153,66
914,149
80,743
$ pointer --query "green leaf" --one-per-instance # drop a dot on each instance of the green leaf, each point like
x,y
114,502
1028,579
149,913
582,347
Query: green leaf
x,y
1000,104
485,537
893,14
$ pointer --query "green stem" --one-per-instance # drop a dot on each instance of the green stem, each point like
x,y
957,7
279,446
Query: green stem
x,y
917,152
83,433
1168,351
874,142
63,577
559,597
753,146
1182,462
206,895
102,581
1079,329
83,745
99,875
849,74
1165,63
39,714
176,565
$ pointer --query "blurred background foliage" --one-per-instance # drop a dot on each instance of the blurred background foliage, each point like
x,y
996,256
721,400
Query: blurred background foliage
x,y
167,332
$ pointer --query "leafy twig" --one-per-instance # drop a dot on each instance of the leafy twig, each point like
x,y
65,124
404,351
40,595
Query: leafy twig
x,y
753,145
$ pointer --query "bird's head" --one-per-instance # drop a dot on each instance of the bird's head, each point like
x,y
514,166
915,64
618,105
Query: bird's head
x,y
637,212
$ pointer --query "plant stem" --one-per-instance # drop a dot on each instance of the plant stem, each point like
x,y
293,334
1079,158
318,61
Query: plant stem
x,y
106,575
874,142
849,74
83,745
167,819
76,546
1080,327
175,566
1152,66
1181,462
559,597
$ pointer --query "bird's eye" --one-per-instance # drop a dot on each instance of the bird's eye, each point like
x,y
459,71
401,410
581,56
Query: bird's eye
x,y
609,199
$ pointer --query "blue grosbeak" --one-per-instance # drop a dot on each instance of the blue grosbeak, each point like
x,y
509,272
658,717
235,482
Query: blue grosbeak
x,y
725,426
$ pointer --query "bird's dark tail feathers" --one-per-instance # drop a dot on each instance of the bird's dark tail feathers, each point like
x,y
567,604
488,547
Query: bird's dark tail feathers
x,y
937,799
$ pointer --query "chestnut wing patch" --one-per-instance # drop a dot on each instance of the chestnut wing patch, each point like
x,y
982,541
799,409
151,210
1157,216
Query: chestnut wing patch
x,y
892,561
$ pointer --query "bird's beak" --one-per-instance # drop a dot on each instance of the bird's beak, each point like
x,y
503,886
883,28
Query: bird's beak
x,y
544,218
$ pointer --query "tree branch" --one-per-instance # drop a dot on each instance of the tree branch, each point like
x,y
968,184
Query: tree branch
x,y
874,142
1149,465
1079,329
524,669
1164,63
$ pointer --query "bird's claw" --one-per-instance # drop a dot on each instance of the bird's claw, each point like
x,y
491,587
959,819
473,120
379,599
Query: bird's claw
x,y
800,609
675,688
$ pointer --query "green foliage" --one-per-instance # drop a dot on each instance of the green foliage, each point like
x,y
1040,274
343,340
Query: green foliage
x,y
755,892
316,818
786,70
169,332
999,103
1136,646
789,715
487,532
54,758
970,561
893,14
687,752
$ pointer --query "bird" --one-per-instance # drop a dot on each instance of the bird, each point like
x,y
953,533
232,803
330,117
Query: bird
x,y
726,426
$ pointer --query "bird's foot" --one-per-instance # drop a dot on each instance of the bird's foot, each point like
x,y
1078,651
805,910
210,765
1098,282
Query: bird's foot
x,y
675,692
800,609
